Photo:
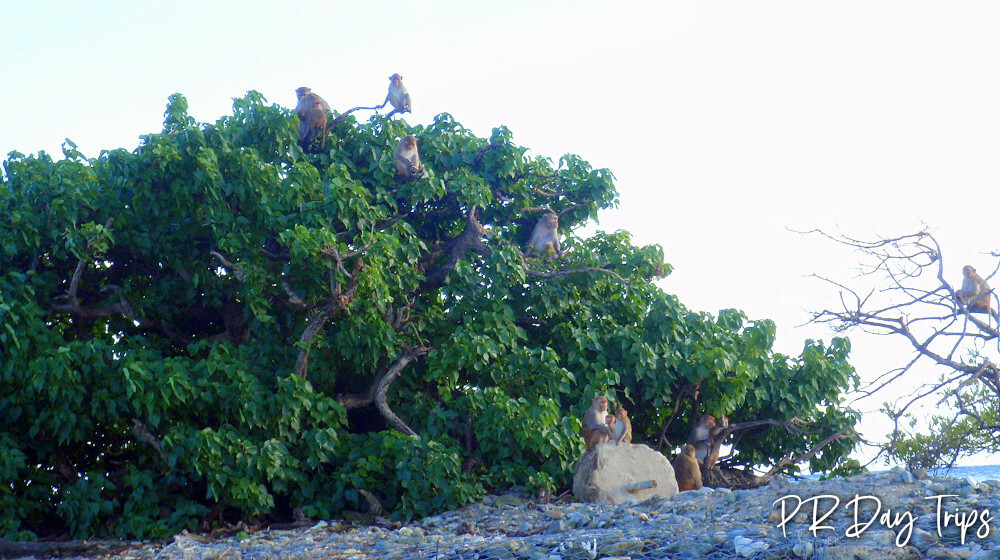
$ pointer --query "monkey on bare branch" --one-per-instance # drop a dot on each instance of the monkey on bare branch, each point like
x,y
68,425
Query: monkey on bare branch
x,y
907,289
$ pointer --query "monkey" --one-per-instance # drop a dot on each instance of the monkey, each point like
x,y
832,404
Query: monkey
x,y
311,123
595,430
609,421
700,436
406,159
308,100
397,95
623,427
311,109
715,442
975,293
545,236
686,470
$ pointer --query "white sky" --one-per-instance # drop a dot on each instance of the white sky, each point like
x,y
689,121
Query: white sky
x,y
725,122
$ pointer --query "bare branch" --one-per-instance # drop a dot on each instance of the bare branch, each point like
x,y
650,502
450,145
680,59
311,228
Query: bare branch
x,y
844,433
398,317
374,506
380,388
293,298
688,390
343,115
74,283
122,308
561,273
141,431
236,270
793,425
910,298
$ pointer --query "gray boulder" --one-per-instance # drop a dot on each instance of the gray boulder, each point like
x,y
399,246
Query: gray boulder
x,y
614,473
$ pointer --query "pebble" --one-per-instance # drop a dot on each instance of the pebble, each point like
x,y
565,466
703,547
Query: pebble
x,y
890,515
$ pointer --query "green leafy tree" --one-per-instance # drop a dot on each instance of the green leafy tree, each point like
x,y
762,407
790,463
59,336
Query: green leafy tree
x,y
219,325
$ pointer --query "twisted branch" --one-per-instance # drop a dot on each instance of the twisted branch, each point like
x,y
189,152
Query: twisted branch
x,y
380,388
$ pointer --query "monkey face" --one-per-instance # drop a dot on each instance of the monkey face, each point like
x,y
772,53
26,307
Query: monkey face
x,y
968,271
302,92
621,413
409,142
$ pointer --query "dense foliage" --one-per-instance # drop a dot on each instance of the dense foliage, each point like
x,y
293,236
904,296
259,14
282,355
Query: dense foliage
x,y
219,325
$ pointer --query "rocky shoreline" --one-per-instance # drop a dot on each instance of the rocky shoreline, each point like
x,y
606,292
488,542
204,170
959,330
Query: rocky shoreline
x,y
890,515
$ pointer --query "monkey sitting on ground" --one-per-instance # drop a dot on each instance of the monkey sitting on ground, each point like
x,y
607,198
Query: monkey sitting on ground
x,y
686,470
595,429
975,293
407,159
545,236
397,95
623,427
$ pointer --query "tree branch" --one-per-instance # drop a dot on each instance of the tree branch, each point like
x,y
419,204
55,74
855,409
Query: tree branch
x,y
386,379
339,301
911,299
380,387
343,115
844,433
471,239
236,270
561,273
142,432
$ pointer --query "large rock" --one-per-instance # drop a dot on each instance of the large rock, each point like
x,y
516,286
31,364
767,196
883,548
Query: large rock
x,y
610,474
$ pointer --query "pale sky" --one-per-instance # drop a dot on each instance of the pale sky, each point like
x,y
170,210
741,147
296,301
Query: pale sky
x,y
725,122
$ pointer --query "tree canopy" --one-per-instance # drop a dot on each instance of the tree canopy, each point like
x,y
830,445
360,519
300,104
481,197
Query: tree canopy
x,y
219,325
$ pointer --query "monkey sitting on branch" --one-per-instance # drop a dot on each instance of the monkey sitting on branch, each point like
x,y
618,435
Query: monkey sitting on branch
x,y
307,100
407,159
311,109
398,96
706,440
545,237
976,293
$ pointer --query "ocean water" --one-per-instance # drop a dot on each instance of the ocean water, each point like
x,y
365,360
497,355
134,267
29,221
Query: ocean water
x,y
980,473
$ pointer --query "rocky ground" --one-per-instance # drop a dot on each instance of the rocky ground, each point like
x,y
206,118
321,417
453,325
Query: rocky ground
x,y
884,516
